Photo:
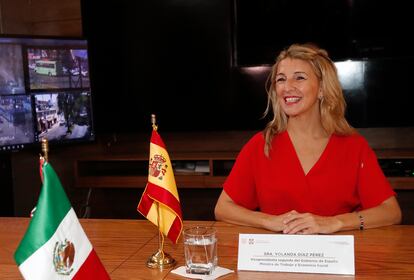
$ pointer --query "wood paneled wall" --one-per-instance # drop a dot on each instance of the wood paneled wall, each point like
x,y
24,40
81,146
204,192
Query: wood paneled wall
x,y
41,17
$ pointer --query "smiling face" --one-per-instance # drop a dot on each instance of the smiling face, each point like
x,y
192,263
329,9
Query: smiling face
x,y
297,88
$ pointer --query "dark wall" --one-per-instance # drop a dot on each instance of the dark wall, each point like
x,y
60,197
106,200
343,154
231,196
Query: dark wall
x,y
190,62
347,29
6,186
172,58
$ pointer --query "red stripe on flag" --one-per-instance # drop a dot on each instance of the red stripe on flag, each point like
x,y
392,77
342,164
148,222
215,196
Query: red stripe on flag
x,y
164,196
92,268
175,229
153,192
145,203
156,139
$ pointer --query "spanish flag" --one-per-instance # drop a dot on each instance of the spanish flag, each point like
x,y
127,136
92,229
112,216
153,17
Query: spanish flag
x,y
161,194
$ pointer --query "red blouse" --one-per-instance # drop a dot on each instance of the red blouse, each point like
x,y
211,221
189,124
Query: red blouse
x,y
347,177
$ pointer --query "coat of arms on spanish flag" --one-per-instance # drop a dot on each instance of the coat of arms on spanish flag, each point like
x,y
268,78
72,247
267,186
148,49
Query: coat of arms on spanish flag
x,y
162,190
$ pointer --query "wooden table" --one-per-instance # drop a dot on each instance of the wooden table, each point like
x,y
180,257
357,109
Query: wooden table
x,y
124,246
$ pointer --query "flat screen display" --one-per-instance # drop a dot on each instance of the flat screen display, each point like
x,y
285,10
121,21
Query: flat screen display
x,y
53,68
11,69
45,91
63,116
16,121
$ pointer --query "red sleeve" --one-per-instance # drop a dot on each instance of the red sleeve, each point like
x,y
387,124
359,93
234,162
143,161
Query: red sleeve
x,y
373,186
240,184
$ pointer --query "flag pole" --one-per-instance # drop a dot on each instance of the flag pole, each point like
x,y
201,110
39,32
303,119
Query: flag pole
x,y
45,148
160,259
44,157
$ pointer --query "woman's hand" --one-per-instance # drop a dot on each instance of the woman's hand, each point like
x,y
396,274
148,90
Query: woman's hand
x,y
276,222
307,223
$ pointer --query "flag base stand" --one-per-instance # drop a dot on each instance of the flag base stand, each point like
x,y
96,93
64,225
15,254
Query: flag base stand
x,y
160,260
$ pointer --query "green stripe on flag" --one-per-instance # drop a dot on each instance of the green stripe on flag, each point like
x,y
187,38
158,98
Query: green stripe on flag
x,y
52,207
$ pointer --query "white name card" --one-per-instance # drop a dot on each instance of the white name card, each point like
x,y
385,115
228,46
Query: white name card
x,y
330,254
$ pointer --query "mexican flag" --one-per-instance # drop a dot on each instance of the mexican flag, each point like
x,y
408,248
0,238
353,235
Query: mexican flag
x,y
55,245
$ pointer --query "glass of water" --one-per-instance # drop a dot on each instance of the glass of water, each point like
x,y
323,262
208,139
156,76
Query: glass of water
x,y
200,250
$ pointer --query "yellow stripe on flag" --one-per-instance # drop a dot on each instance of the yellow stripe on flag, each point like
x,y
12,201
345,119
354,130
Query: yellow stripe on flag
x,y
167,217
167,181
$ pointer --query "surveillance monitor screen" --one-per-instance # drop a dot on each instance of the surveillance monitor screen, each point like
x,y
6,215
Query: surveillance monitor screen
x,y
16,122
11,69
44,91
63,116
58,68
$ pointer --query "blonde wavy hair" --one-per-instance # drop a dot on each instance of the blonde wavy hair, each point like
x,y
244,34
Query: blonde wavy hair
x,y
332,105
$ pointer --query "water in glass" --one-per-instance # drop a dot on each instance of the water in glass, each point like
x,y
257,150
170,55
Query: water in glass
x,y
200,250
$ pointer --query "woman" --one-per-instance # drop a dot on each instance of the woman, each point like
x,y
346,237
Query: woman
x,y
309,171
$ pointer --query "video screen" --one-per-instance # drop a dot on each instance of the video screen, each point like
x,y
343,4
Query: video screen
x,y
16,121
58,68
44,91
11,69
63,115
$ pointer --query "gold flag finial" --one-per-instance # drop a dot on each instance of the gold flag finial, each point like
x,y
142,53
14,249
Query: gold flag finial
x,y
154,122
45,148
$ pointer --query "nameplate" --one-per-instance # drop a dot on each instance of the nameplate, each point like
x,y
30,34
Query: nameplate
x,y
330,254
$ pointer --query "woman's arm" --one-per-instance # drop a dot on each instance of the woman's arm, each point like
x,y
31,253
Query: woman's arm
x,y
228,211
387,213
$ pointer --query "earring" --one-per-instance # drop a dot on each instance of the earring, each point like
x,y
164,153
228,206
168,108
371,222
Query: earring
x,y
320,95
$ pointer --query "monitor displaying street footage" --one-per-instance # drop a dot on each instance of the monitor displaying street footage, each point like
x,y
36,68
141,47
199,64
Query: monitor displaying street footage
x,y
44,91
11,69
63,116
63,68
16,122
